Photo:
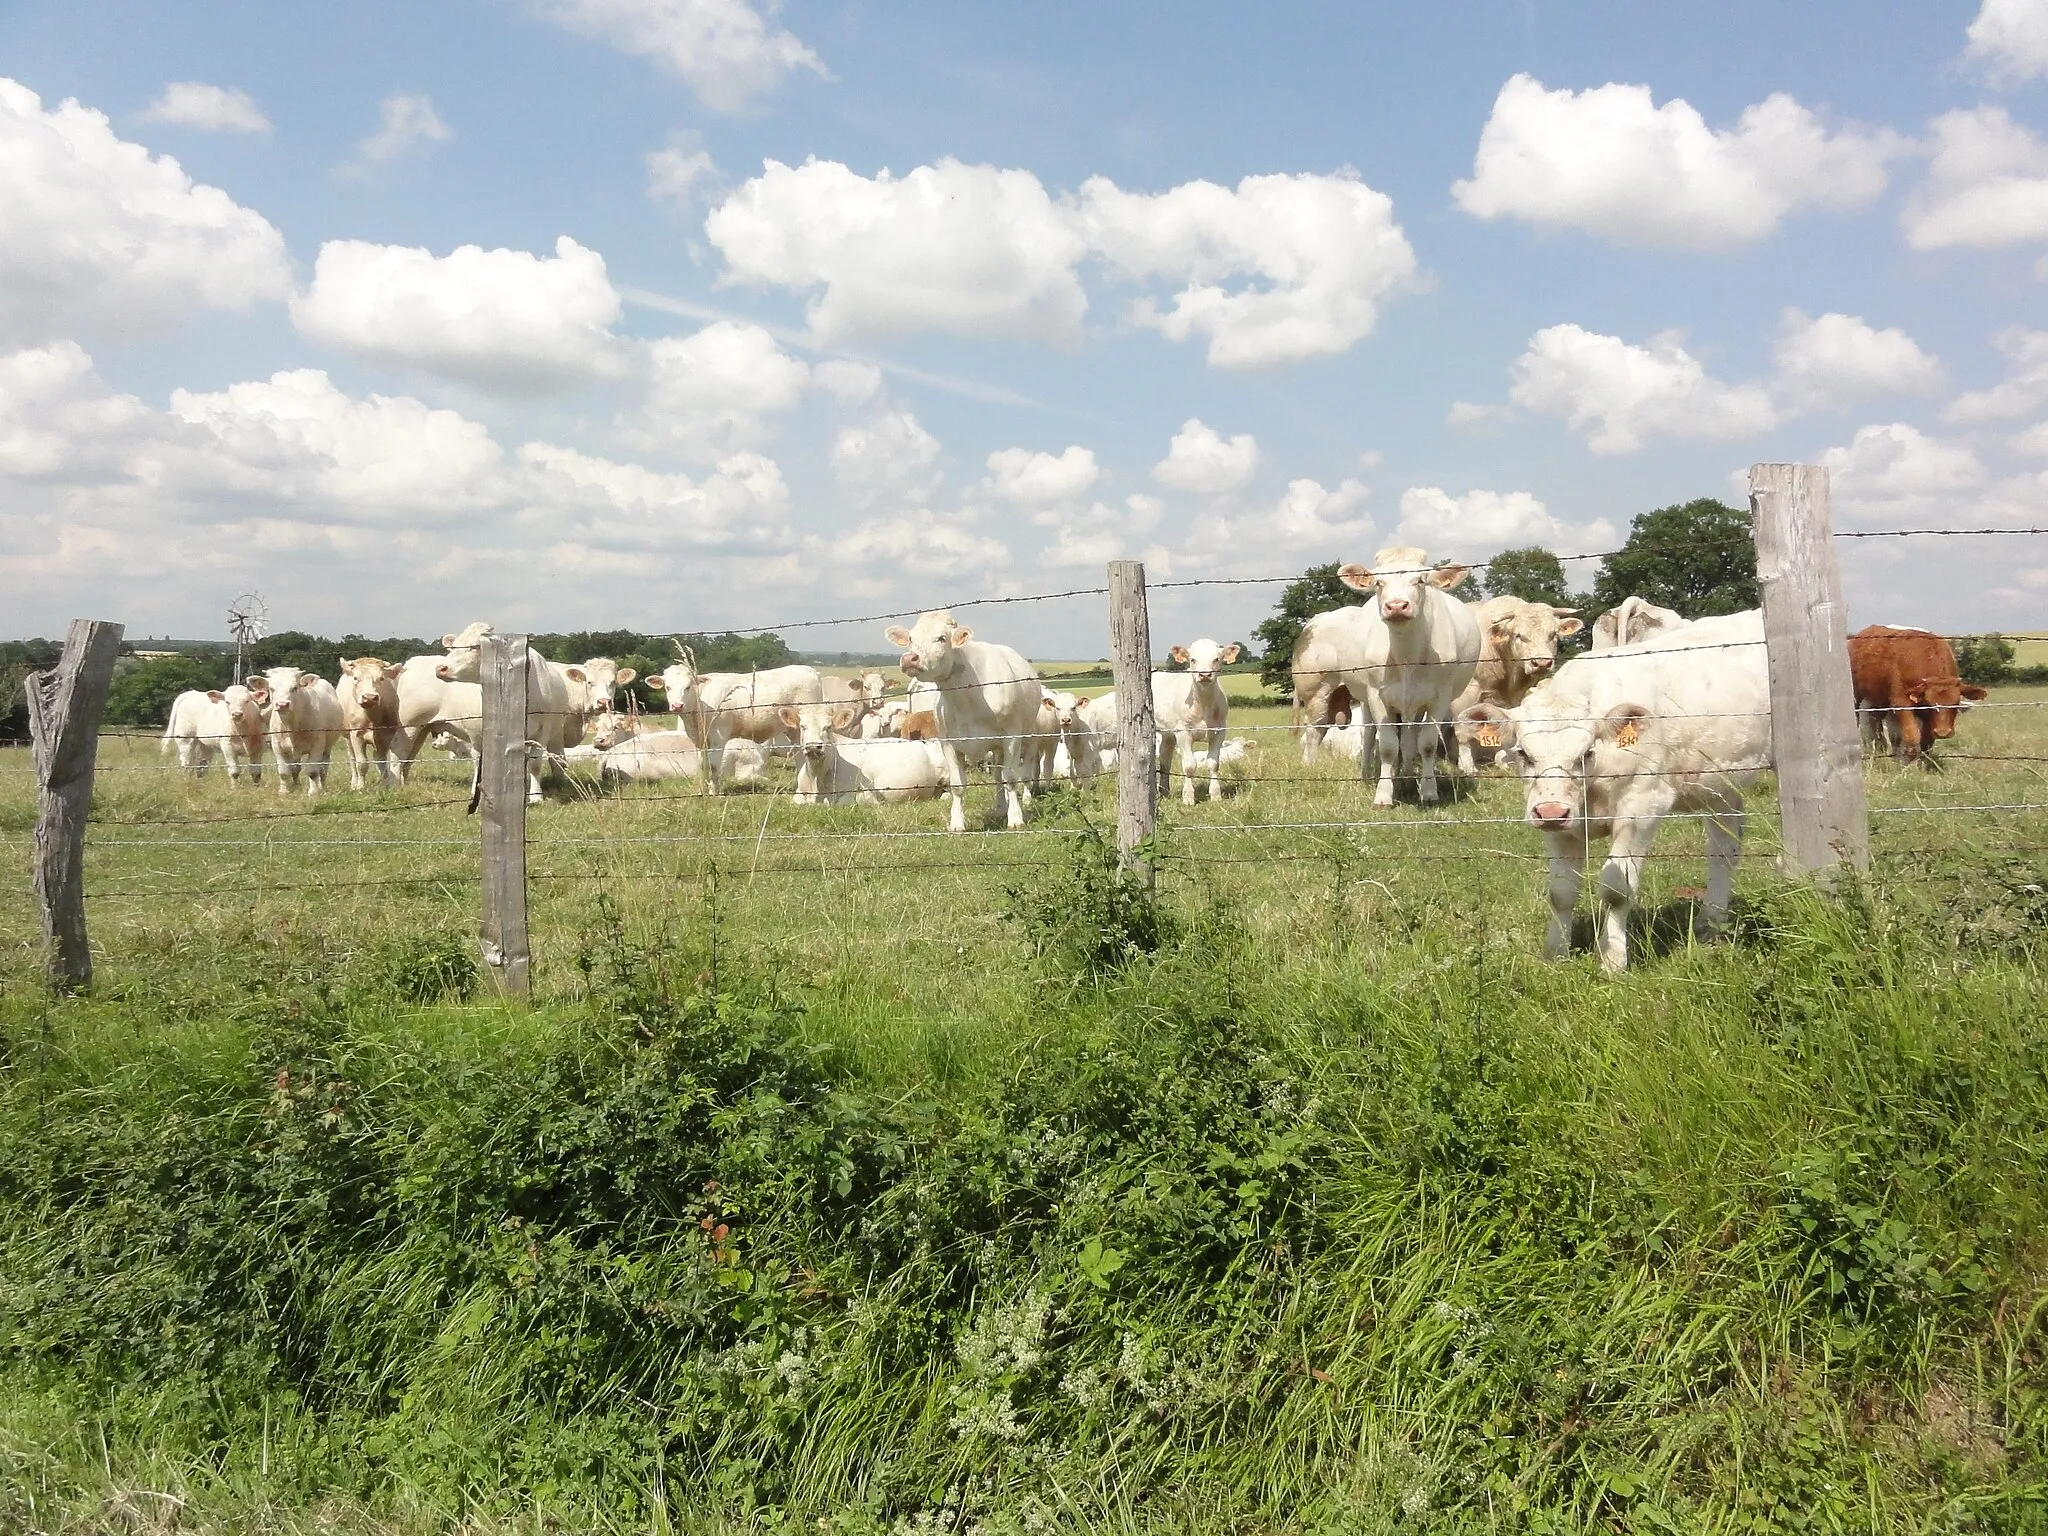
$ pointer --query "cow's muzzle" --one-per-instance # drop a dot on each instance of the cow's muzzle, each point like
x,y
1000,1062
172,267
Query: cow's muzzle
x,y
1551,814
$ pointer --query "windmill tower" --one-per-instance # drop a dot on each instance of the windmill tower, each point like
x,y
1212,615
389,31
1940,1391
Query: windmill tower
x,y
248,621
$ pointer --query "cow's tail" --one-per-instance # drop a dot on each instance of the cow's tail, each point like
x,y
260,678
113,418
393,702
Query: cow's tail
x,y
170,725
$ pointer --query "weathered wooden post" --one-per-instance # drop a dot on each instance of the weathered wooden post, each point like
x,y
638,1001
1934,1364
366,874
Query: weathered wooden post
x,y
501,766
64,711
1137,743
1815,746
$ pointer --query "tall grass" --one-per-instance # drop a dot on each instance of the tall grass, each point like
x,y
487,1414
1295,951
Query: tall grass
x,y
1313,1201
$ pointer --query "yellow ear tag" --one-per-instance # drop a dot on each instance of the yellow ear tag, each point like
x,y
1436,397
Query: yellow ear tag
x,y
1629,734
1489,736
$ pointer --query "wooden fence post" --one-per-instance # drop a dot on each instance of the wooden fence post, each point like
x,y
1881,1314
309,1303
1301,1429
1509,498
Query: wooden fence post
x,y
1815,745
64,711
1137,742
501,767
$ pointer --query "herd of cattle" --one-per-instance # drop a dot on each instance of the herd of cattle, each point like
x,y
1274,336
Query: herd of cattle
x,y
1663,716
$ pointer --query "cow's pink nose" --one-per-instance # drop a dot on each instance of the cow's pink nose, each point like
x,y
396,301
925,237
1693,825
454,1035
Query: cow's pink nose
x,y
1550,814
1539,663
1398,610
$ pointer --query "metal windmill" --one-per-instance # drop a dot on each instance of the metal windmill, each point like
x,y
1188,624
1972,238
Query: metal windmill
x,y
248,620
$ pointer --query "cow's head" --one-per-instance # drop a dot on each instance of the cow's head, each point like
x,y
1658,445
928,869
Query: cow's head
x,y
1066,709
1945,698
929,645
679,685
1564,758
816,724
1205,658
1525,638
1632,621
465,660
1402,577
284,684
873,686
371,677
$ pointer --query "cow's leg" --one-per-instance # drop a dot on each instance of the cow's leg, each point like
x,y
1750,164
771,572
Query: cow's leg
x,y
1184,749
1907,723
381,740
355,759
1387,741
287,769
1017,793
956,783
1215,764
1429,740
806,781
712,757
536,766
1724,852
1621,878
1567,870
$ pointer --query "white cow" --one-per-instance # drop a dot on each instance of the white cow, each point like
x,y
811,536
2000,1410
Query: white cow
x,y
1632,621
987,699
1619,740
229,721
305,724
368,691
558,697
1407,656
1185,703
852,771
649,756
718,707
1518,649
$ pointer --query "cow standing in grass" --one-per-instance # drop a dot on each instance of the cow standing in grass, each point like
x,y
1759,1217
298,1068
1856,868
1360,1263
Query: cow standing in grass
x,y
987,700
368,691
1188,704
305,725
1618,740
1908,691
1518,649
230,721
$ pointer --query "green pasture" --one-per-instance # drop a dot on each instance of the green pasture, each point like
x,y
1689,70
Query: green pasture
x,y
925,1183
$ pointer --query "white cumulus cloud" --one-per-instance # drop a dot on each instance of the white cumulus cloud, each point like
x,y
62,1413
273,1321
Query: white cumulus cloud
x,y
677,174
726,51
1896,472
2024,388
921,546
1986,188
1203,462
405,123
716,391
1612,162
966,249
744,502
1482,522
2009,39
1315,256
887,458
1036,479
507,321
1275,270
1838,360
97,232
209,108
1619,394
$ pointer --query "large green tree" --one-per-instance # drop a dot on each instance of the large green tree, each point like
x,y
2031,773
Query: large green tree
x,y
1533,574
1317,591
1697,557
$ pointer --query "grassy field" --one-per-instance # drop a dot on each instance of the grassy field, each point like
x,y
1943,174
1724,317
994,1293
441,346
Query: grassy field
x,y
928,1183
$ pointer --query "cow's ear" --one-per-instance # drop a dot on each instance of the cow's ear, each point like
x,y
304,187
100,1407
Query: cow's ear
x,y
576,674
1917,694
1447,576
962,634
626,675
701,679
844,716
1973,693
657,682
1230,653
1502,630
897,636
790,718
1357,577
448,642
307,680
1491,726
1179,654
216,695
1624,724
1570,626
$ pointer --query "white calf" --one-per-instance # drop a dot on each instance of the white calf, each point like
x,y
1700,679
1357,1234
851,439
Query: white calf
x,y
987,699
1191,702
228,720
305,725
855,771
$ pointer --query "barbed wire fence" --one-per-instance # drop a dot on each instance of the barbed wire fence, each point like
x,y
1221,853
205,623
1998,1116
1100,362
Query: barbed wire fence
x,y
1815,748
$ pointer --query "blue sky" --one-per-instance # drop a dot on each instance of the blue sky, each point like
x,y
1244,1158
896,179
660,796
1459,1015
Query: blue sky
x,y
1230,289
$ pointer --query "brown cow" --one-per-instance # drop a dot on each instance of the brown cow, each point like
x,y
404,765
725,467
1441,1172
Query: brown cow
x,y
1907,688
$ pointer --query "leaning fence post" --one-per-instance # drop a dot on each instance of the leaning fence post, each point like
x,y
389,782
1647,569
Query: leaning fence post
x,y
1137,745
64,711
1815,746
501,766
